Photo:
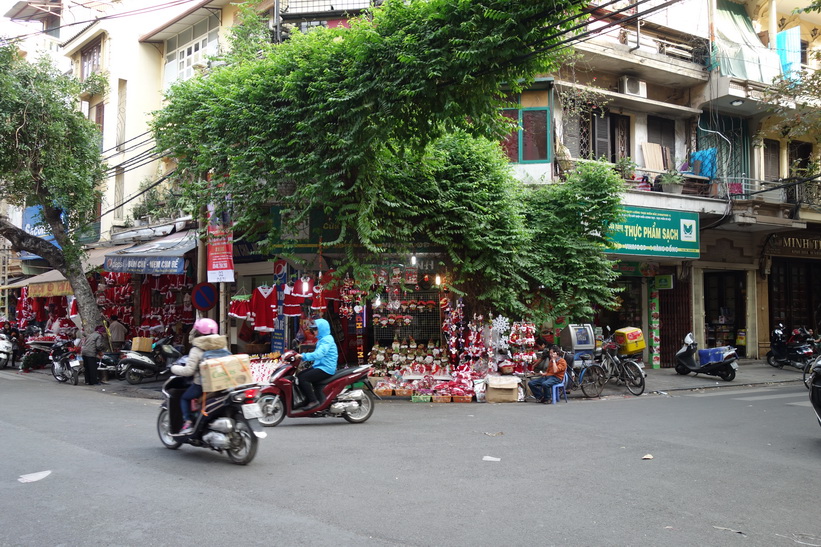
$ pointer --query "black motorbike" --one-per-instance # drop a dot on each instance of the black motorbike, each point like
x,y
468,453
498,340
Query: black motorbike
x,y
797,355
229,422
62,354
137,365
721,362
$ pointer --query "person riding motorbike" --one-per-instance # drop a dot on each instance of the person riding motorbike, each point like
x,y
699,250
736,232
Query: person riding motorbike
x,y
206,343
324,359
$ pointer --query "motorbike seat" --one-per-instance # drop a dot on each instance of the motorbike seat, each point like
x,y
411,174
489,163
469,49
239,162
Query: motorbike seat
x,y
339,374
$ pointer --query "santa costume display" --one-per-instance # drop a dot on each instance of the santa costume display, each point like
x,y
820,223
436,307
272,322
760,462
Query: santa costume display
x,y
263,308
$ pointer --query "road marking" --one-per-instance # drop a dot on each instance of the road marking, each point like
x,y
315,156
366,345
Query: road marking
x,y
716,392
803,403
767,397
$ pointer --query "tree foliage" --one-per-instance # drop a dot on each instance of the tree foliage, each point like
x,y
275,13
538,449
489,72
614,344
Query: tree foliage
x,y
390,128
49,156
794,102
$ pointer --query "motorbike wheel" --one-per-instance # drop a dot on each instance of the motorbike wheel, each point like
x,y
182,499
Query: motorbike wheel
x,y
362,413
59,376
133,376
681,369
592,381
728,374
807,373
4,361
164,430
243,442
633,378
75,376
273,410
772,361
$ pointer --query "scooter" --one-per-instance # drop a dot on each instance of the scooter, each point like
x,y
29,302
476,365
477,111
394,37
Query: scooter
x,y
814,383
341,400
229,422
6,351
137,365
721,362
781,353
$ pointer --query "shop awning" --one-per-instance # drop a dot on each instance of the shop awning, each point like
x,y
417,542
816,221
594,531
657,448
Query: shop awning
x,y
52,282
161,256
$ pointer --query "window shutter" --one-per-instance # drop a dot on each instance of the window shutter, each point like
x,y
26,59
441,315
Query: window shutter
x,y
601,128
572,137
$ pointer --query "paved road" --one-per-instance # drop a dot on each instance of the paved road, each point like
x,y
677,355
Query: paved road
x,y
735,466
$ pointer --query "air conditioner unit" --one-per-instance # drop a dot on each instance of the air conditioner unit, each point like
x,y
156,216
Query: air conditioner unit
x,y
630,85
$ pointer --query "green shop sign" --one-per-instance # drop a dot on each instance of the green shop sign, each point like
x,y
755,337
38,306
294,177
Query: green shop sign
x,y
655,232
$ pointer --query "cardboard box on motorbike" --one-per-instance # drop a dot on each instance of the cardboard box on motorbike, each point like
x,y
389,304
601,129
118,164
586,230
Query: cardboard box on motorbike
x,y
226,372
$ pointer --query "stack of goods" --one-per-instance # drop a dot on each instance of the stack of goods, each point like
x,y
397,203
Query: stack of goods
x,y
115,295
522,340
164,300
452,328
408,357
262,366
474,353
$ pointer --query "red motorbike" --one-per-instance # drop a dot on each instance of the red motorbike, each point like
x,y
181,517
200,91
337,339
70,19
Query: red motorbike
x,y
341,400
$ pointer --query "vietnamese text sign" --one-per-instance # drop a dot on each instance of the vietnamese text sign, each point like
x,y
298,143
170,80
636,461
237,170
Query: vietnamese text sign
x,y
655,232
145,264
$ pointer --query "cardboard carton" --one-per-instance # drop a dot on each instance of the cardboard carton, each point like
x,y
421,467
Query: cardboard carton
x,y
142,344
502,389
226,372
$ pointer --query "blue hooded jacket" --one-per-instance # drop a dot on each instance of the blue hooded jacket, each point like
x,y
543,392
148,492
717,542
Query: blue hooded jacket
x,y
325,355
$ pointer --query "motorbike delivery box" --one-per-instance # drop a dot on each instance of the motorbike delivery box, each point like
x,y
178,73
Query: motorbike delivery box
x,y
630,340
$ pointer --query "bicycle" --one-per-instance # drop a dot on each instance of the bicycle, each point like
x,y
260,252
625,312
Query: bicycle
x,y
623,371
590,377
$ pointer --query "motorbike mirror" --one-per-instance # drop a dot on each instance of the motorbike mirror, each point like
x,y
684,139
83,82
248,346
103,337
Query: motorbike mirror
x,y
689,338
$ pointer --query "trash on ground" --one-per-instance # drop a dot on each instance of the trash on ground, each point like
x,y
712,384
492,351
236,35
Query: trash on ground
x,y
730,530
491,459
494,434
34,477
647,457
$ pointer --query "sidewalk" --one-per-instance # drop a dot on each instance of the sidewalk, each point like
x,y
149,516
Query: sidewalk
x,y
662,380
750,372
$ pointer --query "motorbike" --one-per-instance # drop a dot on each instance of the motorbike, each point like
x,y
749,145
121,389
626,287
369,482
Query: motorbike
x,y
137,365
797,355
229,422
721,362
277,400
814,383
6,351
64,359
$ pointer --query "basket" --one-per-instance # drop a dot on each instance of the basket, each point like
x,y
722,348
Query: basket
x,y
403,392
441,398
461,398
383,392
420,398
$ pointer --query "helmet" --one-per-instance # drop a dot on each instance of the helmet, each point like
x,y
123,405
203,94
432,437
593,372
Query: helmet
x,y
206,326
312,325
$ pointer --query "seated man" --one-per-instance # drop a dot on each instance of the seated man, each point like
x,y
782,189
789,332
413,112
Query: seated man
x,y
542,385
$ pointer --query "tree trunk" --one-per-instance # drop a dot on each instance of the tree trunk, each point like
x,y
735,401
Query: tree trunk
x,y
72,270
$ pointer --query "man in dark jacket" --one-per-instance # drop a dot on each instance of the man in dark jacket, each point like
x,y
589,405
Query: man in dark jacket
x,y
92,349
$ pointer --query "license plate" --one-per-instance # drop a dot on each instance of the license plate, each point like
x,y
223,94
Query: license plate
x,y
74,363
734,365
251,410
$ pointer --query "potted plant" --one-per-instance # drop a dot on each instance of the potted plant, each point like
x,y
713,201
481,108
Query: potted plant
x,y
625,167
672,181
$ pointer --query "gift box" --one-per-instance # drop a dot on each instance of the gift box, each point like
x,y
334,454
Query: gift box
x,y
226,372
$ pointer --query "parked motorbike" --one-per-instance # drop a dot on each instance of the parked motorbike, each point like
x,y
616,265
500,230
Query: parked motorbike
x,y
62,354
721,362
341,400
782,353
108,363
814,383
229,422
137,365
6,351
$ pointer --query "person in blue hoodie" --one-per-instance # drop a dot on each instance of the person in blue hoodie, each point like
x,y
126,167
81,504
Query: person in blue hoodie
x,y
324,359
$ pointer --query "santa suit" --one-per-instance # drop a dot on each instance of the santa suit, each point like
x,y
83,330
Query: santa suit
x,y
264,308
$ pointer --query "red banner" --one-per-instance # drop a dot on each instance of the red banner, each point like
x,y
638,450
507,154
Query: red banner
x,y
220,249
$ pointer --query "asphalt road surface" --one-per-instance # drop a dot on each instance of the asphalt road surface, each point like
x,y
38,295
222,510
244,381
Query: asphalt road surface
x,y
735,466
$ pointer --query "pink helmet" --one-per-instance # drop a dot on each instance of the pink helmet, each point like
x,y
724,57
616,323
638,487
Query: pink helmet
x,y
206,326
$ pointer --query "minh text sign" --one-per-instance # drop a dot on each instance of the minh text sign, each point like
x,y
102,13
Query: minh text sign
x,y
789,245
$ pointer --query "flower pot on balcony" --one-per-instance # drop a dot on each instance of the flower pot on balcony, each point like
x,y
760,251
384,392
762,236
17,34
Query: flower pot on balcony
x,y
672,188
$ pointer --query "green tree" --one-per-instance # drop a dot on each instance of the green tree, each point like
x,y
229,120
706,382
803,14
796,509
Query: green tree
x,y
390,127
49,156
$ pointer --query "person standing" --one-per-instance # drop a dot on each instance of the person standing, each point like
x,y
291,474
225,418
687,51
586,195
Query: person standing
x,y
542,386
92,349
118,331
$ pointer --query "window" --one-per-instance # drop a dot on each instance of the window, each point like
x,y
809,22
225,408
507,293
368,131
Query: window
x,y
191,48
799,156
531,142
661,131
90,59
97,115
594,134
772,160
119,191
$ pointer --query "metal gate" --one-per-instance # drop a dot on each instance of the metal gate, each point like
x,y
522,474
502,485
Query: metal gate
x,y
676,315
